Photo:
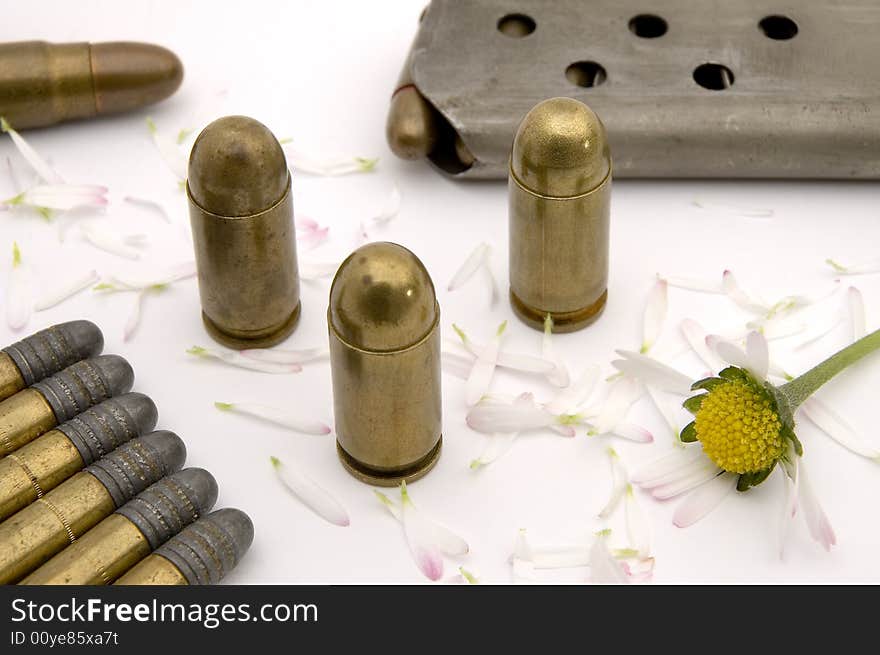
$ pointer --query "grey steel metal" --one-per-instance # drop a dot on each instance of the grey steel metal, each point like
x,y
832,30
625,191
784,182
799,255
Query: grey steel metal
x,y
48,351
806,106
207,550
106,426
85,384
172,503
136,465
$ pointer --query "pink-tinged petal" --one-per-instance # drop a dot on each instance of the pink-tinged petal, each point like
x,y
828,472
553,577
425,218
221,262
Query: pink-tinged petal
x,y
619,481
623,393
668,464
655,314
473,262
733,291
559,375
19,304
637,529
570,399
68,290
41,168
694,478
480,379
703,500
65,197
150,205
728,351
134,317
735,210
282,356
311,494
864,268
695,335
837,428
455,364
693,284
313,239
311,270
666,411
282,417
490,417
305,224
604,569
564,430
856,312
237,360
652,372
632,432
758,355
817,522
427,540
496,446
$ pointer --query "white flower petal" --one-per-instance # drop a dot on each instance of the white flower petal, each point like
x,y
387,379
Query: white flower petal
x,y
655,314
169,151
239,361
652,372
572,397
693,284
311,494
790,504
621,396
637,529
312,239
604,569
863,268
150,205
632,432
389,504
728,351
559,375
670,463
695,335
736,210
57,296
109,241
425,551
522,548
816,330
65,197
703,500
46,172
664,409
471,265
329,167
817,522
856,312
489,417
524,363
282,417
480,379
758,355
19,304
282,356
837,428
690,472
134,318
496,446
455,364
736,294
310,270
777,327
619,481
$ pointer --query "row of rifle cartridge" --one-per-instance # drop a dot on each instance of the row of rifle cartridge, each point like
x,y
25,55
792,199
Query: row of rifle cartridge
x,y
89,493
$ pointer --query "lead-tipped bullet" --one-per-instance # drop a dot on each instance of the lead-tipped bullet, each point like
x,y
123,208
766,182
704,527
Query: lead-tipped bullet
x,y
46,83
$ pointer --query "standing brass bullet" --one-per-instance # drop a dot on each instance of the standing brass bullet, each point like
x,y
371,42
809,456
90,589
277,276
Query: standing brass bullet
x,y
46,83
560,199
385,362
46,526
124,538
241,210
45,353
202,554
39,408
40,466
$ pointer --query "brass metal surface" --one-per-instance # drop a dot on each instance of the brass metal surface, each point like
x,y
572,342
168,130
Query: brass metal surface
x,y
35,469
99,557
43,528
11,381
46,83
241,210
23,418
559,216
153,570
383,322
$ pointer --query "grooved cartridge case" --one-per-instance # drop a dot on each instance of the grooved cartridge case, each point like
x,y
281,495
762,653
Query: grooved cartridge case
x,y
559,216
40,466
123,539
203,553
241,210
384,330
46,83
33,411
43,528
46,352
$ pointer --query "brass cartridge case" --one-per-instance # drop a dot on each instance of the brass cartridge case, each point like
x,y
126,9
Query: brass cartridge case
x,y
411,128
203,553
241,210
46,352
43,528
384,330
123,539
559,214
46,83
34,411
40,466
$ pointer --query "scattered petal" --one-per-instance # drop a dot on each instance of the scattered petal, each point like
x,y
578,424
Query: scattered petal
x,y
277,416
169,150
695,335
630,431
390,209
559,375
490,416
660,470
818,330
469,577
665,411
637,529
693,284
817,522
46,172
604,569
455,364
514,361
790,504
471,265
703,500
690,478
69,290
329,167
621,396
311,494
572,397
239,361
150,205
655,314
864,268
282,356
619,481
110,241
62,197
480,379
652,372
496,446
134,318
837,428
422,537
736,294
856,313
176,273
19,304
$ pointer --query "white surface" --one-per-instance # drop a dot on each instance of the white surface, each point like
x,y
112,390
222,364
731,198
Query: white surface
x,y
322,72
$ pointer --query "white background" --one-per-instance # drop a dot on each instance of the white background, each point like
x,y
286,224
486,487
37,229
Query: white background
x,y
322,73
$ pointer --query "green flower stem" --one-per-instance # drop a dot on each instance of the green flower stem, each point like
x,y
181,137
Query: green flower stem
x,y
804,386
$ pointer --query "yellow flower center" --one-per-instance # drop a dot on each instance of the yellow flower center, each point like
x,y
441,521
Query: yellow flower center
x,y
739,428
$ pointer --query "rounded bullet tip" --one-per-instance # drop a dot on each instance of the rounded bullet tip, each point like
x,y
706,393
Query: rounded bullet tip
x,y
128,75
237,168
411,128
201,486
140,408
560,149
169,449
382,298
85,337
237,526
116,371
